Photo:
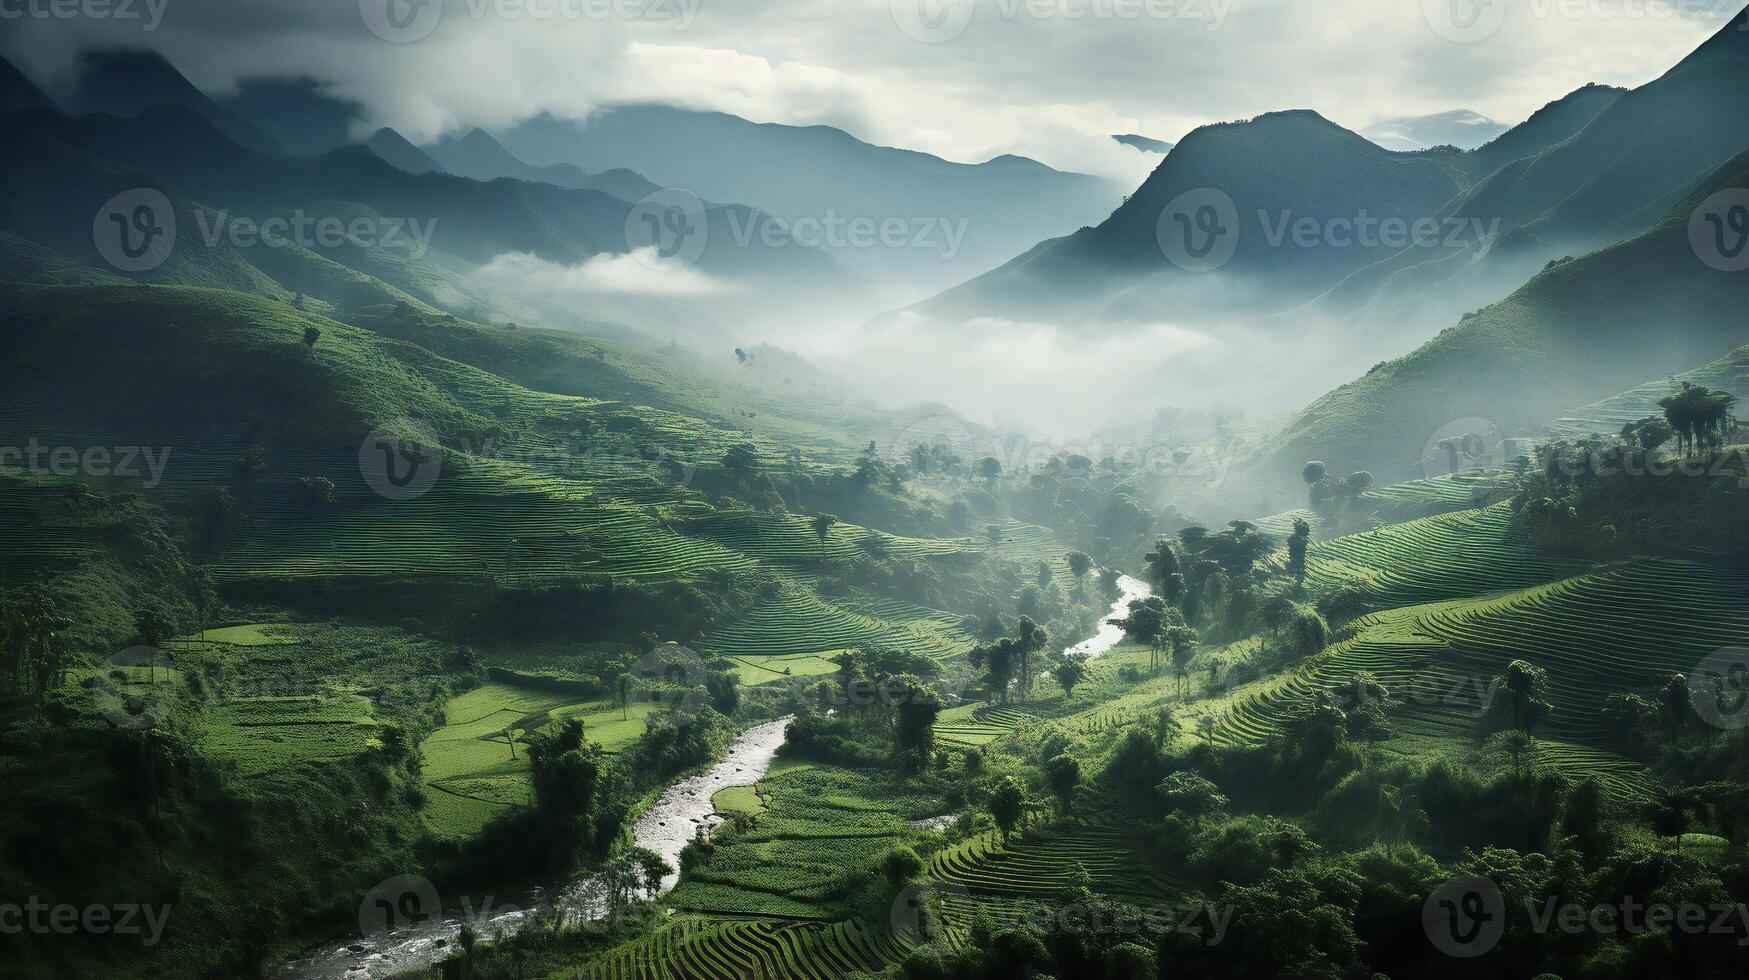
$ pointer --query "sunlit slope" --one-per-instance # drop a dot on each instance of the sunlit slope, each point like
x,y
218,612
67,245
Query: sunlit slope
x,y
1579,331
1623,628
1729,373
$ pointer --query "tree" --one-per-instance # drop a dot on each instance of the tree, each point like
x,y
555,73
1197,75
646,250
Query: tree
x,y
150,627
1296,550
1313,472
1189,793
1676,707
311,335
1166,729
1079,564
1069,672
989,468
914,723
741,459
1520,699
1007,803
1183,640
822,525
998,661
1063,775
1163,572
1029,638
1359,482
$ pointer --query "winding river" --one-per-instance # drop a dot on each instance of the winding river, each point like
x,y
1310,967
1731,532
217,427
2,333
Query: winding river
x,y
1110,635
665,827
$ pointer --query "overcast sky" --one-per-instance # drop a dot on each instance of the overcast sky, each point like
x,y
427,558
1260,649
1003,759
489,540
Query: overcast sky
x,y
967,79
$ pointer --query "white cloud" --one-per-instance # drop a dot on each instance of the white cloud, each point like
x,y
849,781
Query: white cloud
x,y
640,273
1052,87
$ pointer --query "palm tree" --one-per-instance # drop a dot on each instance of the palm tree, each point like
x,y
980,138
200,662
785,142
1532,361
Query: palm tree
x,y
1183,640
1030,638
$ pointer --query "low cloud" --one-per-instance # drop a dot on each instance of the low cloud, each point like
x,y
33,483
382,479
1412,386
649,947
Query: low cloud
x,y
639,273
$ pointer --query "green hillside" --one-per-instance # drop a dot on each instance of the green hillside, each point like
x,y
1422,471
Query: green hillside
x,y
1581,330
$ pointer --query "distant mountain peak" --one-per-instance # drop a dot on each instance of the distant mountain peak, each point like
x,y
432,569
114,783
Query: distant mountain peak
x,y
400,153
1730,41
1465,129
129,81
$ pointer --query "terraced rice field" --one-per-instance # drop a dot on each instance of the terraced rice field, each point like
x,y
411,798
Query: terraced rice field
x,y
817,826
467,762
1622,629
759,949
1729,373
1041,862
1471,552
970,725
790,538
269,737
800,622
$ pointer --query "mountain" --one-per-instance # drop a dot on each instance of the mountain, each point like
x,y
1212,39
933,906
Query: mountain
x,y
1461,128
1614,177
1294,164
1145,144
480,156
127,82
822,174
297,112
50,193
472,220
401,154
1597,166
1580,331
19,92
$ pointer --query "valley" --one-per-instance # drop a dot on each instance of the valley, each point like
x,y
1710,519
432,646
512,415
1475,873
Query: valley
x,y
540,577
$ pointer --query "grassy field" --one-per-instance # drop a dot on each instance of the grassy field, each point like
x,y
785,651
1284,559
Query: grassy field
x,y
468,763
